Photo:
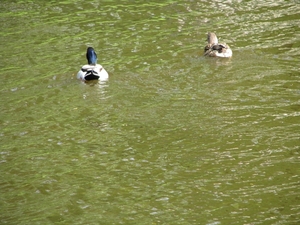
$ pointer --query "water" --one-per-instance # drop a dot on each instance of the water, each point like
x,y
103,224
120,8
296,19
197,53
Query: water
x,y
172,137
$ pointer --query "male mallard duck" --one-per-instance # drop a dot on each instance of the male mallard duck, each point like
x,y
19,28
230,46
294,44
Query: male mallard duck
x,y
215,49
92,71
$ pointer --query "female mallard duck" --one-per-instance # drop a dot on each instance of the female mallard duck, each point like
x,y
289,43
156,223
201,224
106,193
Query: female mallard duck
x,y
92,71
215,49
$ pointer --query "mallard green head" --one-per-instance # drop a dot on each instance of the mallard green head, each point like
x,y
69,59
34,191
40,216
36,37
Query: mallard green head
x,y
91,56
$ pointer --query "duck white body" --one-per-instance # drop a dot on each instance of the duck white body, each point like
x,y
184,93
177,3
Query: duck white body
x,y
92,71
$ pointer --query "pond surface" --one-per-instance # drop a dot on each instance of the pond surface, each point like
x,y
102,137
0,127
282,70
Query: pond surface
x,y
172,137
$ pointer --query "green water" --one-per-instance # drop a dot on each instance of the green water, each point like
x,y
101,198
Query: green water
x,y
172,137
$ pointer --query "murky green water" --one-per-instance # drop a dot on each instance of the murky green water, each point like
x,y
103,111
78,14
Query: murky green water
x,y
172,137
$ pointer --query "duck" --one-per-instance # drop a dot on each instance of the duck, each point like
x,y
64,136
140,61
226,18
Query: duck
x,y
92,71
216,49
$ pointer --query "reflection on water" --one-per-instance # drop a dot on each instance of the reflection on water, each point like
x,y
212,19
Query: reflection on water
x,y
172,137
95,88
